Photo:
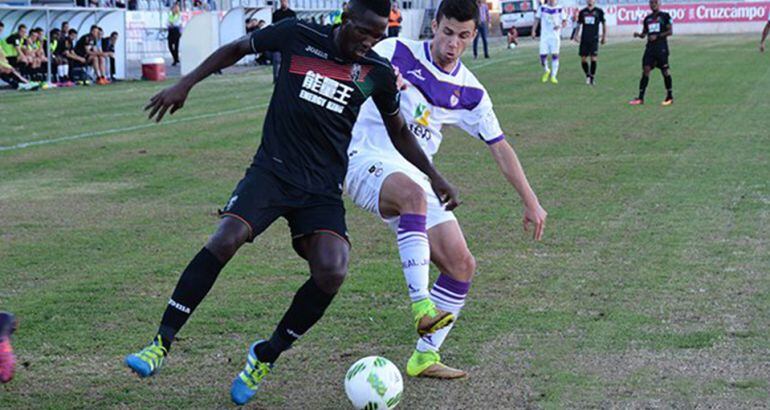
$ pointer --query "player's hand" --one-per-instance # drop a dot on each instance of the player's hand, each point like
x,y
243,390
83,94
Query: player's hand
x,y
652,37
637,35
399,79
169,98
445,192
535,215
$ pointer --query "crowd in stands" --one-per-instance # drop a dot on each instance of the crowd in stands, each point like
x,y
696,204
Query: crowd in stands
x,y
26,54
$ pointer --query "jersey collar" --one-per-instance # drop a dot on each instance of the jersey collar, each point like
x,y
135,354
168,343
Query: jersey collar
x,y
426,47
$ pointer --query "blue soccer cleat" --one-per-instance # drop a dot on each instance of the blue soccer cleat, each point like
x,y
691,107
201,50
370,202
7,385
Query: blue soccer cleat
x,y
149,360
247,382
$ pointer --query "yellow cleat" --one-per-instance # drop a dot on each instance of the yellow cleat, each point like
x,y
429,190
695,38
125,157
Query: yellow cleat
x,y
545,76
428,318
428,364
554,80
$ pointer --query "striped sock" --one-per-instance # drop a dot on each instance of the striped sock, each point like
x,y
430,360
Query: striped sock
x,y
449,295
414,250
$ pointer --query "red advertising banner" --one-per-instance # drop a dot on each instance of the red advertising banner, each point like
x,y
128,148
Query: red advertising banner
x,y
694,13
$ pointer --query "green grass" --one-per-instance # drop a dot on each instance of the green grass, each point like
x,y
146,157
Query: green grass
x,y
650,289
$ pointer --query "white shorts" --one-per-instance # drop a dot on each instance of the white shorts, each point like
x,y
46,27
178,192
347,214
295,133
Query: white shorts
x,y
550,45
367,172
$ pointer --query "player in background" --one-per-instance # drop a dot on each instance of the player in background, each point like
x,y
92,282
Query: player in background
x,y
440,91
552,19
8,324
327,73
657,29
588,20
764,34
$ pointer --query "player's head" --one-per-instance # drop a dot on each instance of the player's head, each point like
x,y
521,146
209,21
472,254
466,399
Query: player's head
x,y
73,34
363,24
94,30
2,27
284,4
591,3
55,33
22,30
552,2
454,28
654,5
65,26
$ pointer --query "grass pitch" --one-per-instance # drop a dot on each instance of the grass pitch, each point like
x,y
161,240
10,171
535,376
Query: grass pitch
x,y
650,289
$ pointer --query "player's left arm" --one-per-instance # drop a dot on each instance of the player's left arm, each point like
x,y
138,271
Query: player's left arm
x,y
764,36
511,168
604,29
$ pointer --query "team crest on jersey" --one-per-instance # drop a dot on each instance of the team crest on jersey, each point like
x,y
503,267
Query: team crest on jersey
x,y
455,98
355,72
421,115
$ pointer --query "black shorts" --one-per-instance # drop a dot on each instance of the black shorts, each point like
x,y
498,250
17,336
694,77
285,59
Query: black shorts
x,y
260,198
589,48
655,58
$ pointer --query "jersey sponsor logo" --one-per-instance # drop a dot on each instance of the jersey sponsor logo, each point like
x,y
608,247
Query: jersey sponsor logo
x,y
376,169
420,132
178,306
590,20
654,27
325,92
421,115
317,52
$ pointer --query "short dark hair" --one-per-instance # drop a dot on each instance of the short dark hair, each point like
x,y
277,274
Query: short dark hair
x,y
72,31
65,22
460,10
94,27
379,7
114,33
1,24
21,26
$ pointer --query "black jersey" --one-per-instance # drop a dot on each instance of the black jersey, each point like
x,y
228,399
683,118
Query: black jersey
x,y
654,24
315,103
590,19
84,45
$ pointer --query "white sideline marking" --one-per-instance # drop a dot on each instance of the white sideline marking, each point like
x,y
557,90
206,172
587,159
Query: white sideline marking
x,y
125,129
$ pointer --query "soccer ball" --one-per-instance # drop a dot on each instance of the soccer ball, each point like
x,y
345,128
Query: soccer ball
x,y
374,383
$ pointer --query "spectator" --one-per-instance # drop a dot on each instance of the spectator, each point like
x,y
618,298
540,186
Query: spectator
x,y
108,50
394,20
50,45
251,26
482,29
86,48
282,13
174,32
8,73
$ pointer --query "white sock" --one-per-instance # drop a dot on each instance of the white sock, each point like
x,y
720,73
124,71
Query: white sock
x,y
449,295
66,70
555,66
414,250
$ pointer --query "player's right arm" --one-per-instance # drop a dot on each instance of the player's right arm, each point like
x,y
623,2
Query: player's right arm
x,y
271,38
764,36
536,23
643,34
578,26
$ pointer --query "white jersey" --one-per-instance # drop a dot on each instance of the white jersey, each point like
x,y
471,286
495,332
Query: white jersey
x,y
551,19
432,99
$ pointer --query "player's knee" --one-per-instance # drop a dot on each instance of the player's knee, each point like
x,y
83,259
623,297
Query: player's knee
x,y
228,238
329,270
466,267
412,199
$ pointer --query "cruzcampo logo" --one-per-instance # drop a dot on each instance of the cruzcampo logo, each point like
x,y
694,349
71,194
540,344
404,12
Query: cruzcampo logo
x,y
421,114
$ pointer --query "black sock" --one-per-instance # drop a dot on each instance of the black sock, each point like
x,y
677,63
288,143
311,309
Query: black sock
x,y
593,68
195,282
669,91
584,64
643,86
308,306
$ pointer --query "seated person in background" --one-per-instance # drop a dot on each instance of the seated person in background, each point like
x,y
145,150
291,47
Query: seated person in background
x,y
35,53
13,49
8,73
75,62
86,48
108,51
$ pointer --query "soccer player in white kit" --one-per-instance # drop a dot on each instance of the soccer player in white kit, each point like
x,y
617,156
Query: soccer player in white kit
x,y
440,91
551,18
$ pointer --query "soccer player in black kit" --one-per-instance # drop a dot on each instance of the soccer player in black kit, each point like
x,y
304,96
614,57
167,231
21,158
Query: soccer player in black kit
x,y
588,20
657,28
326,75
